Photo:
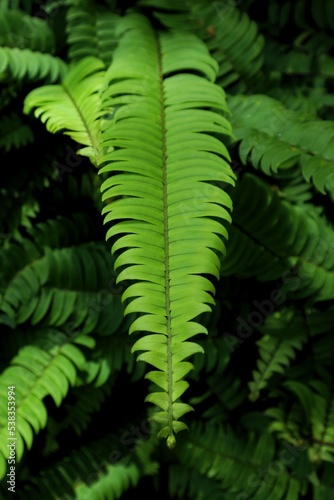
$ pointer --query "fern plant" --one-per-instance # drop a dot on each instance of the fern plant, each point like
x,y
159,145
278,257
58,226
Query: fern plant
x,y
173,181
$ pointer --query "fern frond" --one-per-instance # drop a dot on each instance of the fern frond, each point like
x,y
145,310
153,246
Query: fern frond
x,y
73,106
297,233
161,217
18,29
236,44
52,290
190,484
244,256
310,420
284,140
14,133
274,356
231,460
88,400
223,395
322,420
17,64
163,226
320,14
46,367
91,31
93,474
231,36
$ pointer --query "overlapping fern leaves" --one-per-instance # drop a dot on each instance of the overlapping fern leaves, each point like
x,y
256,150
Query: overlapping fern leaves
x,y
142,92
162,224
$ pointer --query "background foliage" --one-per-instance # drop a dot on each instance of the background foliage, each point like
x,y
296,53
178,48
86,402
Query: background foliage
x,y
263,391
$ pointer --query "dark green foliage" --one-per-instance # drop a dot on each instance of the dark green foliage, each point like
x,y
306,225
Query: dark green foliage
x,y
185,196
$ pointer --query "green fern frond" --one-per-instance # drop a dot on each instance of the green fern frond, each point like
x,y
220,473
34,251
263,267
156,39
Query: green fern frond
x,y
88,400
322,420
46,367
89,472
163,225
231,461
223,395
310,420
297,233
275,356
14,133
190,484
284,140
236,44
244,255
17,64
231,36
91,31
321,14
52,290
73,106
17,29
216,357
143,89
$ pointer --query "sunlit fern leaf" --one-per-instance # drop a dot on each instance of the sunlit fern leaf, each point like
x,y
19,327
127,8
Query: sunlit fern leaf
x,y
47,367
169,242
74,106
14,133
91,31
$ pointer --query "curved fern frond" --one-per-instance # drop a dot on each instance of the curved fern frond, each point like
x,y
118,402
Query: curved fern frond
x,y
14,133
91,31
19,64
285,139
234,41
297,233
244,256
69,285
275,356
231,36
73,106
230,461
168,242
46,367
310,420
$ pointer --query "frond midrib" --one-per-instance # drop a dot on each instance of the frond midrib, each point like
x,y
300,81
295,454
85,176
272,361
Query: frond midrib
x,y
166,240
